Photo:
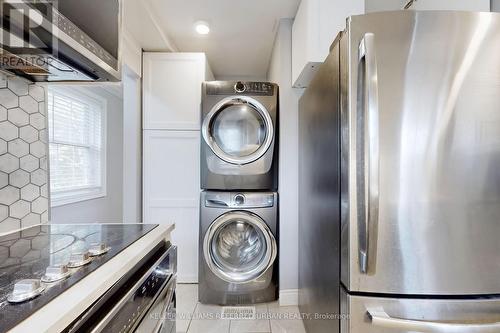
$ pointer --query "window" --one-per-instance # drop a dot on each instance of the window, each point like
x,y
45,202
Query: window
x,y
77,123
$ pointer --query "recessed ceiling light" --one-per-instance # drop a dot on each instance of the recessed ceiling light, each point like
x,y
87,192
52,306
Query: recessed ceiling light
x,y
202,27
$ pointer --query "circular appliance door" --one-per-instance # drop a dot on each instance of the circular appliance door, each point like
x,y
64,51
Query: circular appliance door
x,y
239,247
238,129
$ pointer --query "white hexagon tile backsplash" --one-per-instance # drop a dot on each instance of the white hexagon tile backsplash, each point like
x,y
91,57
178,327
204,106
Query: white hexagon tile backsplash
x,y
23,154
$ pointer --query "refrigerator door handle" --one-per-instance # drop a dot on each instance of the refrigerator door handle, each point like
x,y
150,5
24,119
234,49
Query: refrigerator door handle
x,y
380,318
367,152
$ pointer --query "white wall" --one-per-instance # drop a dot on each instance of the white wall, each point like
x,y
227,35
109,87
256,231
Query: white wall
x,y
132,143
131,54
241,78
109,208
280,72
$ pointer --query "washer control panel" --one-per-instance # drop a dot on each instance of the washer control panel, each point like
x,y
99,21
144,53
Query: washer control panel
x,y
239,200
240,87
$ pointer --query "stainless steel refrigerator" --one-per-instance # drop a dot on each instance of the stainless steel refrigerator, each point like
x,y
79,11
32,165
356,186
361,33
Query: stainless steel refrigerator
x,y
400,177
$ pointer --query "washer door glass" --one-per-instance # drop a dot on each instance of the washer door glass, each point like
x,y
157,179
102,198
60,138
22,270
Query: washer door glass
x,y
239,247
239,130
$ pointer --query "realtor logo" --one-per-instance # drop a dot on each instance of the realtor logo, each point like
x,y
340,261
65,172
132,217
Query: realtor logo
x,y
26,38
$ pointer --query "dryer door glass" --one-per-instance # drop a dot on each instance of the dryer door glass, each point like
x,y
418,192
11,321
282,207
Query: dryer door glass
x,y
239,247
239,130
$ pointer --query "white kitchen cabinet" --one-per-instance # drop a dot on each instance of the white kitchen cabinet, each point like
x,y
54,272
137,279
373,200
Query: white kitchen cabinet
x,y
171,180
172,89
467,5
315,27
384,5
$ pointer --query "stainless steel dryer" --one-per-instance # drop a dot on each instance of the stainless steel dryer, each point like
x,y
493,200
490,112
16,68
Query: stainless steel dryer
x,y
238,261
239,149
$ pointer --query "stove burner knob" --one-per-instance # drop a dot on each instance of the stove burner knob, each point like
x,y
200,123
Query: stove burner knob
x,y
25,290
98,249
79,259
56,273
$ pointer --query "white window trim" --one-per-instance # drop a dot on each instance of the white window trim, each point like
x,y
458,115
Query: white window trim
x,y
61,199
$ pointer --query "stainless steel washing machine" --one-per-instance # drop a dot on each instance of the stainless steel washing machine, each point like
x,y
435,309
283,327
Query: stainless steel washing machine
x,y
238,261
239,145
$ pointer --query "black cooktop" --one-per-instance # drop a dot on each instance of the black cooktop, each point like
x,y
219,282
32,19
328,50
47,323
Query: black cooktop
x,y
26,255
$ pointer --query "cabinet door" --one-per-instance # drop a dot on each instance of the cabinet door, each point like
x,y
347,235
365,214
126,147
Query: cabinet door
x,y
314,29
172,90
466,5
171,191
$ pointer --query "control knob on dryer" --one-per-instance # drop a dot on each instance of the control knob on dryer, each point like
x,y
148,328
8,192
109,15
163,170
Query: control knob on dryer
x,y
239,87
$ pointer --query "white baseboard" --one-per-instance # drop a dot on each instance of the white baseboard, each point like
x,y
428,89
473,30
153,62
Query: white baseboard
x,y
289,297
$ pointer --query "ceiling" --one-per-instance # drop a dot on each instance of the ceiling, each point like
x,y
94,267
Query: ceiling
x,y
242,31
141,23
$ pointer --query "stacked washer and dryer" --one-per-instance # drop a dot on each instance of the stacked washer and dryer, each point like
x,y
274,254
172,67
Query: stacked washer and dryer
x,y
238,260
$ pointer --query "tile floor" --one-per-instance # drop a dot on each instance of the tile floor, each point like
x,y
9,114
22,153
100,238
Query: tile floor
x,y
194,317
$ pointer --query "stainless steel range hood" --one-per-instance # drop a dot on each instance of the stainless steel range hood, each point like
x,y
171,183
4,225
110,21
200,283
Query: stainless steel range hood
x,y
65,40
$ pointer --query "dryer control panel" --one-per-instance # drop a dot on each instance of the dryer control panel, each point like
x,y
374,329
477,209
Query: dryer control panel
x,y
240,87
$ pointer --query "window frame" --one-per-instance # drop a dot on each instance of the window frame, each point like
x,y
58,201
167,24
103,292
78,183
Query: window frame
x,y
88,193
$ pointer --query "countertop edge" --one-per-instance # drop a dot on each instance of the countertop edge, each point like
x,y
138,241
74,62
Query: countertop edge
x,y
69,304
